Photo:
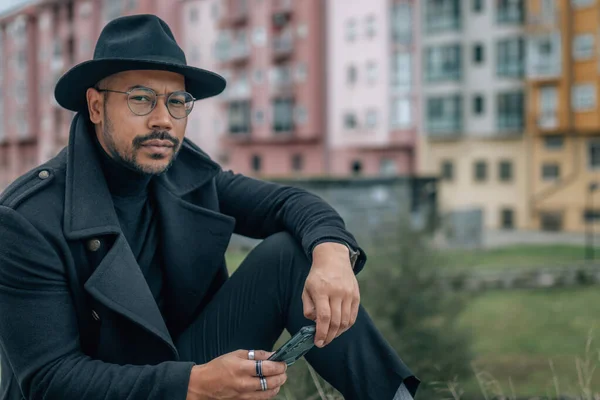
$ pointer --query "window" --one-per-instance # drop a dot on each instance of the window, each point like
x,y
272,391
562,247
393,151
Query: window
x,y
548,105
283,112
583,46
480,171
444,114
554,142
510,59
401,113
259,117
510,11
478,105
551,220
443,63
256,163
371,72
387,167
356,167
401,70
478,56
583,97
371,119
351,74
370,26
442,15
239,117
582,3
350,30
402,22
194,14
591,215
301,115
505,171
507,220
301,72
594,154
511,111
297,162
447,172
550,172
477,6
544,55
259,36
350,120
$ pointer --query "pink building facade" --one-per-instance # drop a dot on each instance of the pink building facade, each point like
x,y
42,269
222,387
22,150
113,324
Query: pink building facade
x,y
270,121
372,86
38,43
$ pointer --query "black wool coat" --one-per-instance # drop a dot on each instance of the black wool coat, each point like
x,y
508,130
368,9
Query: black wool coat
x,y
77,319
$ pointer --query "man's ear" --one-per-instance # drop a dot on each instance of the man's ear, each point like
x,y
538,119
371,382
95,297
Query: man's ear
x,y
95,102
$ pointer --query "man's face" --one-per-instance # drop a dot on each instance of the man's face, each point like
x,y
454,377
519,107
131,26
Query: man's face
x,y
147,143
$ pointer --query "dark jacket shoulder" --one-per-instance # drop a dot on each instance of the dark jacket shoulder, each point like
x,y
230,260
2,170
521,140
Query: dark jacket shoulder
x,y
41,188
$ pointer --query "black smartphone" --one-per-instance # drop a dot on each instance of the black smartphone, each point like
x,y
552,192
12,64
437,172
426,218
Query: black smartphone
x,y
296,347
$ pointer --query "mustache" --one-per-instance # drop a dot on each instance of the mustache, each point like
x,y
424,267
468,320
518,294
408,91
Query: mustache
x,y
155,135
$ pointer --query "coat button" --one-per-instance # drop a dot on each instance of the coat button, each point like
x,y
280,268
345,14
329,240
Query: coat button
x,y
93,245
95,315
44,174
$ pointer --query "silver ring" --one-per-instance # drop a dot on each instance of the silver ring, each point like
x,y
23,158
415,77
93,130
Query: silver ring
x,y
263,384
250,354
259,368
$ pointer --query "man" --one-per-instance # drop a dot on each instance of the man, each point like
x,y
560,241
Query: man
x,y
112,277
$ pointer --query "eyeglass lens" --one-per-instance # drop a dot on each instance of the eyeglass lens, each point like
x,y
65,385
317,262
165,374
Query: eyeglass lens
x,y
142,102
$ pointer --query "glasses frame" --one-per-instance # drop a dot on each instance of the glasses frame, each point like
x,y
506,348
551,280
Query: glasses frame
x,y
156,102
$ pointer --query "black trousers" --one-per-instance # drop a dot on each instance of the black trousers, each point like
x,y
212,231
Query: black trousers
x,y
263,297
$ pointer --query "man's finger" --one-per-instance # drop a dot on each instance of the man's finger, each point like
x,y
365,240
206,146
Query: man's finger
x,y
308,306
269,368
335,305
346,316
258,354
323,319
354,314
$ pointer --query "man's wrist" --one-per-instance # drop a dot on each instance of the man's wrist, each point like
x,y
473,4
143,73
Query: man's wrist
x,y
337,246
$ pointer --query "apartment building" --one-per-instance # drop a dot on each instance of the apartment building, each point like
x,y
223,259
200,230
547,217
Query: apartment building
x,y
270,119
39,41
373,83
473,56
564,118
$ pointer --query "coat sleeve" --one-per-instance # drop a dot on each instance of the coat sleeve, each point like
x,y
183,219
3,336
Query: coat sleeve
x,y
39,334
263,208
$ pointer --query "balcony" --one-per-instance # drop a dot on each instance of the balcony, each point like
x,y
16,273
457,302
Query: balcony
x,y
544,68
544,56
236,51
281,81
282,7
547,120
236,13
283,45
543,20
445,128
237,90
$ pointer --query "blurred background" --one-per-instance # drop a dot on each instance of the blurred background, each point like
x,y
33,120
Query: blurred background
x,y
459,139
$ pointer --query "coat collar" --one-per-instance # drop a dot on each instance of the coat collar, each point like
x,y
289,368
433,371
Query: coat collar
x,y
89,210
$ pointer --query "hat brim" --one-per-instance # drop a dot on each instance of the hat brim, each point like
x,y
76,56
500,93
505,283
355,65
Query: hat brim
x,y
70,91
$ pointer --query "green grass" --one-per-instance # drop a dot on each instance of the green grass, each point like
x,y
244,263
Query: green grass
x,y
514,257
516,333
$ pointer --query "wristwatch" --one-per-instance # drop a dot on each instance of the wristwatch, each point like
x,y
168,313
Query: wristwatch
x,y
353,254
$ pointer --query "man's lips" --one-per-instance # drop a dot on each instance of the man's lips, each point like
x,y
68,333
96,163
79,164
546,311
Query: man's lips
x,y
158,143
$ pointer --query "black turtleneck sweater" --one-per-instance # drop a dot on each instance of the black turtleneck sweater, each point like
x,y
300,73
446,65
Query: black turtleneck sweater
x,y
133,201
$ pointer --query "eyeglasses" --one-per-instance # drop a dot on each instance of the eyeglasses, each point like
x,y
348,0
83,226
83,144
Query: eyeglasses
x,y
141,101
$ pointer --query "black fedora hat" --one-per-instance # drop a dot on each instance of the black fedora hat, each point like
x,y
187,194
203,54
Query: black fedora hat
x,y
137,42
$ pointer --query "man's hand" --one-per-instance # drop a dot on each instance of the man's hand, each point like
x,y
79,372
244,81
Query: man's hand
x,y
233,376
331,295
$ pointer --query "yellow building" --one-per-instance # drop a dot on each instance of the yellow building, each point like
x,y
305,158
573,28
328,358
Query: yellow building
x,y
563,118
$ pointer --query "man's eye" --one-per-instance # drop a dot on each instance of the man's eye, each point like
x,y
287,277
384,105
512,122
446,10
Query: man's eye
x,y
141,99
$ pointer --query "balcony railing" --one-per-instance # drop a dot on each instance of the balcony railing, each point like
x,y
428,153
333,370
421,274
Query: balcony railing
x,y
281,80
547,120
510,122
283,44
235,13
547,67
510,69
444,128
237,90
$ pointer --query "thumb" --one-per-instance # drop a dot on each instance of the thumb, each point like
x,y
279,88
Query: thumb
x,y
308,306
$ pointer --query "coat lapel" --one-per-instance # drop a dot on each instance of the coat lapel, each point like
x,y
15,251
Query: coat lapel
x,y
117,282
194,240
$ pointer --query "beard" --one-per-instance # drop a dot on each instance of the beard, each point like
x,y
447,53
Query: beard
x,y
129,156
